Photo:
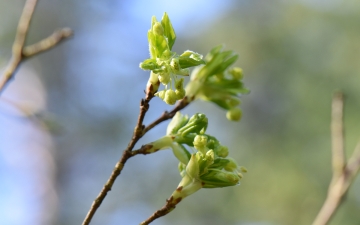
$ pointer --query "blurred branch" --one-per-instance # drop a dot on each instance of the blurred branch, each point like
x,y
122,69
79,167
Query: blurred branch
x,y
47,43
343,173
337,135
139,131
19,52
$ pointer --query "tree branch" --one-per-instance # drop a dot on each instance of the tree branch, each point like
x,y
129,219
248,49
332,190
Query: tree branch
x,y
337,135
168,207
139,131
343,173
47,43
19,52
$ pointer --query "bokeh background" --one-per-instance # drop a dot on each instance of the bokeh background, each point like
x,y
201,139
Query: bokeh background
x,y
70,112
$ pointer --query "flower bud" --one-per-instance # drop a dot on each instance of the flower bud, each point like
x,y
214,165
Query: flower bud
x,y
180,153
237,73
179,84
180,93
158,29
231,165
200,142
222,151
170,97
175,64
164,78
161,94
234,114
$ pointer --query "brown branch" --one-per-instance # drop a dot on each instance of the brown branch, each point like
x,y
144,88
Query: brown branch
x,y
343,173
139,131
19,52
168,207
168,115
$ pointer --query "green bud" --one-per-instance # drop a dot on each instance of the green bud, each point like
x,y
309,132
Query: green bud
x,y
178,121
234,114
200,142
179,84
222,151
231,165
175,64
170,97
180,153
158,29
196,124
180,93
164,78
219,178
237,73
161,94
192,168
162,143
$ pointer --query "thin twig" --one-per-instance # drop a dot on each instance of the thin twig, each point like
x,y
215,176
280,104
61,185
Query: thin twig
x,y
47,43
168,115
19,42
168,207
19,52
139,131
337,135
343,173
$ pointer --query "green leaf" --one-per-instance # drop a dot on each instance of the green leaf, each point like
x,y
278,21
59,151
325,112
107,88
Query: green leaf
x,y
190,59
149,64
169,31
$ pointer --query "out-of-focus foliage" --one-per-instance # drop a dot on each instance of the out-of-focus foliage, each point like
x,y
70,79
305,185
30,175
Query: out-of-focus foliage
x,y
294,55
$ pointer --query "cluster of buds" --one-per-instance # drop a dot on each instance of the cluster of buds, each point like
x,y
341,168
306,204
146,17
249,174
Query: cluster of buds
x,y
165,65
217,83
204,163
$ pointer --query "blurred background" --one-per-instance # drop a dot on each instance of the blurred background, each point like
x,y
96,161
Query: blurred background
x,y
70,112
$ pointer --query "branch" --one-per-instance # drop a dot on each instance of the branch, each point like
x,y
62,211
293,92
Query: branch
x,y
19,52
47,43
168,207
337,135
168,115
343,173
139,131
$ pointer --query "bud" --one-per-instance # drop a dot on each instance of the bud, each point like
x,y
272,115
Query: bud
x,y
237,73
234,114
179,84
161,94
192,168
200,142
158,29
177,122
180,93
170,97
222,151
164,78
175,64
180,153
231,165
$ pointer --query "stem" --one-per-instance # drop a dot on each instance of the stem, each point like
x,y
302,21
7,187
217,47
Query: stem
x,y
19,52
168,207
139,131
343,173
